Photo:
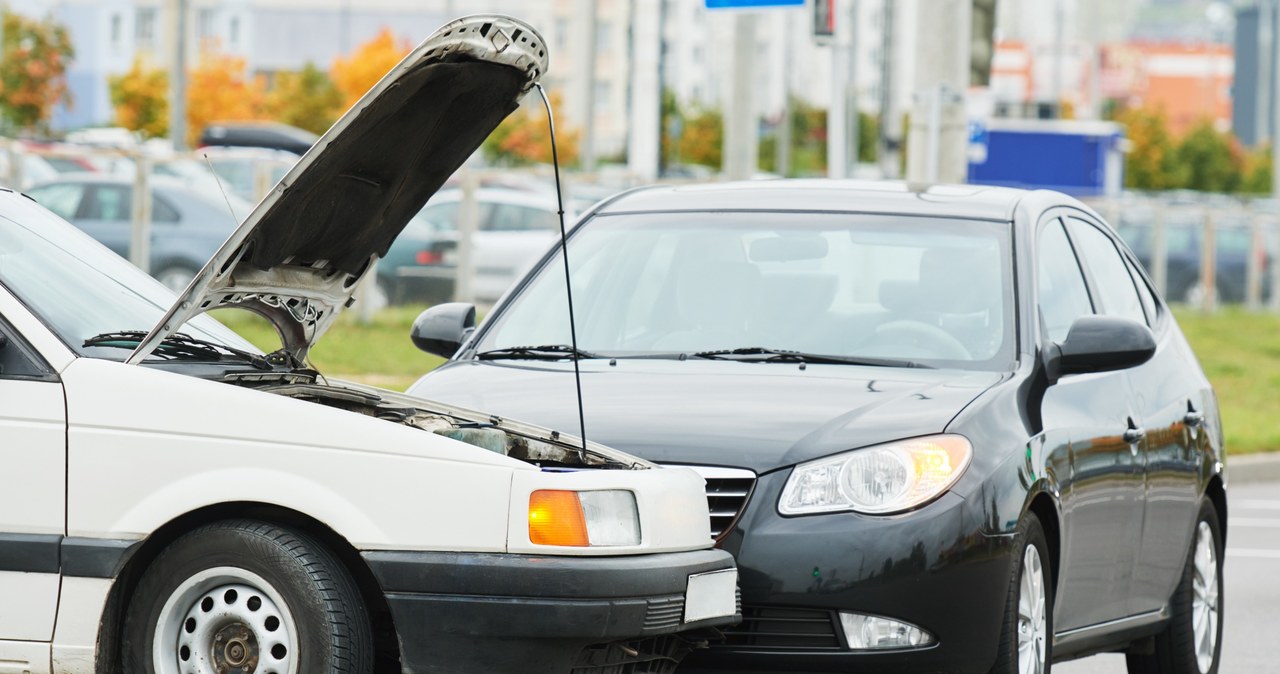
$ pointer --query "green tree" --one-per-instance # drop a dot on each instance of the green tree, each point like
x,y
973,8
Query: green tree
x,y
141,99
306,99
703,138
1213,161
1257,171
33,66
1152,162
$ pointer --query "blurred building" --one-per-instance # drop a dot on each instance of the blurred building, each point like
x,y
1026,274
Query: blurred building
x,y
1257,55
1188,82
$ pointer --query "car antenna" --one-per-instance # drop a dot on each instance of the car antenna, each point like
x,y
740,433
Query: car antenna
x,y
568,286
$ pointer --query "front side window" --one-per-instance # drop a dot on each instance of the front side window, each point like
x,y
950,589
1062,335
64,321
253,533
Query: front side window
x,y
1063,294
932,291
1111,277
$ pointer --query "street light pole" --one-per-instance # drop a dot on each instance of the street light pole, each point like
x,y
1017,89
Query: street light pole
x,y
178,78
740,142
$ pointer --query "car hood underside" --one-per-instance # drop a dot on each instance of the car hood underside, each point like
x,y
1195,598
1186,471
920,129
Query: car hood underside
x,y
299,256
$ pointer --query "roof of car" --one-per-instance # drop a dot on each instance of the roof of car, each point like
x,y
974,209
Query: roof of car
x,y
103,178
966,201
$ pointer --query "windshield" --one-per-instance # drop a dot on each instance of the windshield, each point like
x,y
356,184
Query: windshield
x,y
928,290
81,289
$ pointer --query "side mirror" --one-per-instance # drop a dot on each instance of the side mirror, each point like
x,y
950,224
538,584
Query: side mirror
x,y
1101,344
443,328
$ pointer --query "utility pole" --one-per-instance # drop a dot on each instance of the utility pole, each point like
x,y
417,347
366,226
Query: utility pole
x,y
740,142
838,111
645,129
851,89
888,153
585,66
178,77
1266,28
939,131
782,145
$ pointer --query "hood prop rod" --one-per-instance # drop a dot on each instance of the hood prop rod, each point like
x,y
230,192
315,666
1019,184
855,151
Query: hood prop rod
x,y
568,286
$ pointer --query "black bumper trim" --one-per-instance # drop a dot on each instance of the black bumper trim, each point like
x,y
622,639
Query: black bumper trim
x,y
544,577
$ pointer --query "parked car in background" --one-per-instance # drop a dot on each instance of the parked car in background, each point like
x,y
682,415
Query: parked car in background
x,y
187,224
948,430
269,135
1184,246
177,501
248,172
514,228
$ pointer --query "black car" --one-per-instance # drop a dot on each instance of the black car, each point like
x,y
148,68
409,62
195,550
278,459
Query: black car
x,y
944,430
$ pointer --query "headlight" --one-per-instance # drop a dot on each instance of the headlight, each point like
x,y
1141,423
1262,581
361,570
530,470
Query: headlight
x,y
580,519
878,480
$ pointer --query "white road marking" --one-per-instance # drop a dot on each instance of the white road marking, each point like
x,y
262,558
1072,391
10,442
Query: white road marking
x,y
1253,504
1258,522
1255,554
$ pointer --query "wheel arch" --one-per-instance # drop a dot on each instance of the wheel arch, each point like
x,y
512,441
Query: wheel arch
x,y
1045,508
386,640
1216,492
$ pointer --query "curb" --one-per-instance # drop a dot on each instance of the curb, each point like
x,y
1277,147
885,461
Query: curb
x,y
1253,468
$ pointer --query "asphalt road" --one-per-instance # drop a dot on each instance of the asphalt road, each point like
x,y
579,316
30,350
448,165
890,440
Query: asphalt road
x,y
1250,643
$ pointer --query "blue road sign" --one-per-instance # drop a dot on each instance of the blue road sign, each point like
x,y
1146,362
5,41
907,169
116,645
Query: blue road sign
x,y
752,4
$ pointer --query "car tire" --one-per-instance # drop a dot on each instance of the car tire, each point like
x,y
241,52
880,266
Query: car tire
x,y
1026,630
1188,645
243,595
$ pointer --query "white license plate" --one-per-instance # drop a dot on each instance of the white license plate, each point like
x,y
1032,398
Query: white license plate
x,y
711,595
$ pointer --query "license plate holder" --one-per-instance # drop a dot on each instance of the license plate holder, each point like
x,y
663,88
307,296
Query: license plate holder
x,y
711,595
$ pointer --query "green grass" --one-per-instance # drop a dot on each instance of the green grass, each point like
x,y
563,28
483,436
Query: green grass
x,y
1239,351
379,354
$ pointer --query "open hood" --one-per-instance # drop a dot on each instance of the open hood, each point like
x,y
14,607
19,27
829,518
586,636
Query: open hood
x,y
299,257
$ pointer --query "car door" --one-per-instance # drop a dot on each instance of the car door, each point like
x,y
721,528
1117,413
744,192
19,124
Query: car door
x,y
32,501
1086,417
1166,396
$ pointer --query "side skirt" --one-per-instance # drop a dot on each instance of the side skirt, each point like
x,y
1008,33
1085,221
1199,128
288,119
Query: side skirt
x,y
1108,636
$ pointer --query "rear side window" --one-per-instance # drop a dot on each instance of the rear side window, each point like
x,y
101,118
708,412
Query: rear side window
x,y
1063,294
1111,277
63,199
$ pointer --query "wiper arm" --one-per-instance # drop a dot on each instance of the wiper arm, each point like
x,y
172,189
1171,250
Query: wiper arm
x,y
760,354
544,352
179,346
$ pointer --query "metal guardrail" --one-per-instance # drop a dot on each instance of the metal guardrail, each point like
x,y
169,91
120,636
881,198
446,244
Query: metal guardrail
x,y
1175,235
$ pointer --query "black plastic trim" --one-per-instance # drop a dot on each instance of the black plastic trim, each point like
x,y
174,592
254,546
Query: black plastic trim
x,y
30,553
96,557
70,556
545,577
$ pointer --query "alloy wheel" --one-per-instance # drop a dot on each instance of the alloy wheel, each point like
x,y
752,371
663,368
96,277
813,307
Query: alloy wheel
x,y
1032,614
1204,600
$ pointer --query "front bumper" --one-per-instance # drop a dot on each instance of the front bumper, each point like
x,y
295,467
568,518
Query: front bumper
x,y
491,613
933,567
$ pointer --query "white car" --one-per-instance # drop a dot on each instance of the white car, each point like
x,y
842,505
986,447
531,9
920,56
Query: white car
x,y
176,501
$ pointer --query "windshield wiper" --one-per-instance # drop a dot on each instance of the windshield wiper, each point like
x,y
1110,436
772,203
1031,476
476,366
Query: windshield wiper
x,y
544,352
760,354
179,346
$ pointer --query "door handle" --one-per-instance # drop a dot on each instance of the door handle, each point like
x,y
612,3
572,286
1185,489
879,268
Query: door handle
x,y
1134,435
1193,418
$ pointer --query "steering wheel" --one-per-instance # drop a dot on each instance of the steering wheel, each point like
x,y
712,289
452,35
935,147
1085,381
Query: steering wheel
x,y
916,338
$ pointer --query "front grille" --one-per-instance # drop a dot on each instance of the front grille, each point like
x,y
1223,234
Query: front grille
x,y
783,629
727,492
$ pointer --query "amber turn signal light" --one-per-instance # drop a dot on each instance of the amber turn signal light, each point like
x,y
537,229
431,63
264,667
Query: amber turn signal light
x,y
555,518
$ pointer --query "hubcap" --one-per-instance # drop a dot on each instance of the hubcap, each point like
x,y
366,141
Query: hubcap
x,y
225,621
1204,599
1032,627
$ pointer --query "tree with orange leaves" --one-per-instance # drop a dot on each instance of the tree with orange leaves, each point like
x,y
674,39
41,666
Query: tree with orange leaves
x,y
523,138
141,99
220,88
356,74
33,69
